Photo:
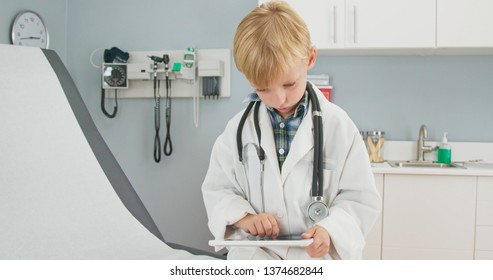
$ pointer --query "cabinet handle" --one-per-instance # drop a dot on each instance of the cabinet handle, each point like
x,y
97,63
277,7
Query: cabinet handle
x,y
354,26
334,27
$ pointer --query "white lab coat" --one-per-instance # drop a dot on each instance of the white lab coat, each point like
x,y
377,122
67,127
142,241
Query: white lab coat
x,y
349,186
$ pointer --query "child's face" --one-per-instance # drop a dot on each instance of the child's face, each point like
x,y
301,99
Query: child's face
x,y
285,93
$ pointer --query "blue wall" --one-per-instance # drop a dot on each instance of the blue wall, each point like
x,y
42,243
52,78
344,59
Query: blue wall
x,y
392,93
170,189
397,94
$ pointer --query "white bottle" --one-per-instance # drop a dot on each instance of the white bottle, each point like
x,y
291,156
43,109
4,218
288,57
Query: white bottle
x,y
444,153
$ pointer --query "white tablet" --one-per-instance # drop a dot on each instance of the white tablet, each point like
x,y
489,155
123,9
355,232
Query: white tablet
x,y
253,241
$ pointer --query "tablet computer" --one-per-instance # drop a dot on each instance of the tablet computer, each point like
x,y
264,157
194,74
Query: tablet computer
x,y
255,241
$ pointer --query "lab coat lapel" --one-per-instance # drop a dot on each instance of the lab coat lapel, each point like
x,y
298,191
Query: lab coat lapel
x,y
302,144
268,143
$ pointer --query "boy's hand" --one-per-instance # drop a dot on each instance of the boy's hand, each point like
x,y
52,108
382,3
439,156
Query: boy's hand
x,y
321,241
262,224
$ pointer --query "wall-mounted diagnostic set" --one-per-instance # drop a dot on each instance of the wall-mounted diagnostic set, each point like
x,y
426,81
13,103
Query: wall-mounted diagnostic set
x,y
189,73
114,76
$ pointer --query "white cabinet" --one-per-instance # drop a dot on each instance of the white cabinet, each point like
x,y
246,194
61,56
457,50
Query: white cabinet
x,y
390,24
428,217
373,248
325,20
484,219
464,23
339,25
368,24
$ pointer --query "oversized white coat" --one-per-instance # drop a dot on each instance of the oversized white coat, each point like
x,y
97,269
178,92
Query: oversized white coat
x,y
349,186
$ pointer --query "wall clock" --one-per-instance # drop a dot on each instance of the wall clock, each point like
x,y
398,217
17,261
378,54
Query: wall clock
x,y
29,29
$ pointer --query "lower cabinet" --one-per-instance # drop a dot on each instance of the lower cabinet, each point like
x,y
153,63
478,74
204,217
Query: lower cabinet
x,y
373,248
430,217
484,220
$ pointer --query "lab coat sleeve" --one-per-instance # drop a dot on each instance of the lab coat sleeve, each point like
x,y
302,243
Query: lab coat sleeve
x,y
223,196
357,204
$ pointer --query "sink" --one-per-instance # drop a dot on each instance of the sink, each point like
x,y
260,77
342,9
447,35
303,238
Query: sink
x,y
423,164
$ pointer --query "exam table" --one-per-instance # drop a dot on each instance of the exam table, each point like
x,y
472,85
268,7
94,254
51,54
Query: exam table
x,y
62,193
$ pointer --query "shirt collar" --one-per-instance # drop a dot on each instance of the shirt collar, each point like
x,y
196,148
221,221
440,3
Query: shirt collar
x,y
300,110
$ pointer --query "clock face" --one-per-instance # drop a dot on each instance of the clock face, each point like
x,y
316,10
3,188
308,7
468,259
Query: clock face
x,y
115,75
28,29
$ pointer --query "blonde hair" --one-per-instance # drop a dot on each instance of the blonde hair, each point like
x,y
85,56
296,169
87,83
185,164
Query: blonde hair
x,y
268,41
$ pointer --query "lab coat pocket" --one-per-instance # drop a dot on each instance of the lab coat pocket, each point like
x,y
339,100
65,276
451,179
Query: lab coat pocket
x,y
329,173
329,170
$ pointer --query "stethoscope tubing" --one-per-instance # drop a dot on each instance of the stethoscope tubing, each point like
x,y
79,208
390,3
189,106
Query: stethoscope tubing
x,y
318,179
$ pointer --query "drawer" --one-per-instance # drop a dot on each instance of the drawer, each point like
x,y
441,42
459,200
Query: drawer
x,y
484,215
484,238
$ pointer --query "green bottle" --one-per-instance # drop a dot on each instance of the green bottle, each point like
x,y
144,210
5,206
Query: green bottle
x,y
444,151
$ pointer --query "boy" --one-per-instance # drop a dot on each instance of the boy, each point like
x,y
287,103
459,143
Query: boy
x,y
272,48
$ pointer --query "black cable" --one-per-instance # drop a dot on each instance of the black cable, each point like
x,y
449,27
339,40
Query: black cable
x,y
157,108
168,146
157,121
115,109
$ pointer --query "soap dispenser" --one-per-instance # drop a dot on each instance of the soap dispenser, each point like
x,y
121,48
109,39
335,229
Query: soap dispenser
x,y
444,151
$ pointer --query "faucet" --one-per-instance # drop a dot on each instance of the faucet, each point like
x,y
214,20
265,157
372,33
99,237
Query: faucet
x,y
422,148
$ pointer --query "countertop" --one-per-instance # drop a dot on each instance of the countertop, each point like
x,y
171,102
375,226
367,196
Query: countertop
x,y
471,169
476,157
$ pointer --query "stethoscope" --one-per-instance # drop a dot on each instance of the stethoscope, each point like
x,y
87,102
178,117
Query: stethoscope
x,y
317,209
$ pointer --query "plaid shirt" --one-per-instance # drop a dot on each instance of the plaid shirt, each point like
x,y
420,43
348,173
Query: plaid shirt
x,y
284,129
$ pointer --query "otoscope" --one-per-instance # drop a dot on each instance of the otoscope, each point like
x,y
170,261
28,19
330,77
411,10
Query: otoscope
x,y
157,109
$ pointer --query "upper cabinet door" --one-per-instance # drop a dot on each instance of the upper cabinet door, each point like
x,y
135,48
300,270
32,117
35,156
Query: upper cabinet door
x,y
390,23
325,20
464,23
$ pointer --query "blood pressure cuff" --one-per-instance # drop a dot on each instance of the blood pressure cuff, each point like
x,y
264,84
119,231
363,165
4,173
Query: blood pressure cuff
x,y
115,55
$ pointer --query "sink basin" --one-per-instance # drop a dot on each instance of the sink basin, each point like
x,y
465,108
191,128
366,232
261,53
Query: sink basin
x,y
423,164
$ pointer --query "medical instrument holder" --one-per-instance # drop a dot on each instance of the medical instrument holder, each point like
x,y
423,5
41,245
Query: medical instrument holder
x,y
187,83
210,71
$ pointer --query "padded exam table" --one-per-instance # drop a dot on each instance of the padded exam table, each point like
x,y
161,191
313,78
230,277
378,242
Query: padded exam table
x,y
62,193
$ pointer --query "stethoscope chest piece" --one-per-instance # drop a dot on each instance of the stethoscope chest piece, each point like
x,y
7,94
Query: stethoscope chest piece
x,y
317,210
